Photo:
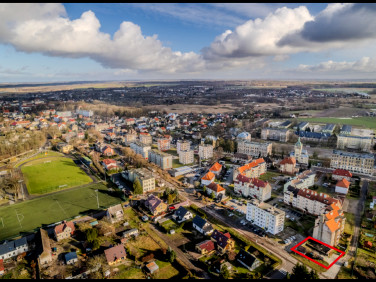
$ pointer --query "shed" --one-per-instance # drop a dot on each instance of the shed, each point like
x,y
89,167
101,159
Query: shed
x,y
152,267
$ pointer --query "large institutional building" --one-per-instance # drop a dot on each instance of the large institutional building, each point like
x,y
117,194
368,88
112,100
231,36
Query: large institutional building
x,y
352,138
278,134
353,162
254,149
161,159
265,216
205,151
300,154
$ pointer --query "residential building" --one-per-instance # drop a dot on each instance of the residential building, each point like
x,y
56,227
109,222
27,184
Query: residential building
x,y
265,216
300,154
330,225
223,241
131,233
340,174
161,159
205,248
252,187
353,162
107,151
343,186
303,180
243,158
182,214
282,135
115,214
146,178
110,164
308,201
146,138
216,189
85,113
64,147
64,230
155,205
216,168
186,157
208,178
253,169
363,143
71,258
163,144
248,260
115,254
255,149
13,248
152,267
183,145
2,269
288,166
205,151
244,136
202,226
141,148
130,137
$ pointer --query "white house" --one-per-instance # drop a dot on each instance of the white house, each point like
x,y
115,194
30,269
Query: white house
x,y
216,189
202,226
208,178
13,248
343,186
182,214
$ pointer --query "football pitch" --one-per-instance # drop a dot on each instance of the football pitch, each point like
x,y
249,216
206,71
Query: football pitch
x,y
49,174
32,214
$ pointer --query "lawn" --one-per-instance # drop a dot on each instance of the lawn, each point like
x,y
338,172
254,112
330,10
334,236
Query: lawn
x,y
47,175
29,215
350,223
267,176
367,122
176,164
41,156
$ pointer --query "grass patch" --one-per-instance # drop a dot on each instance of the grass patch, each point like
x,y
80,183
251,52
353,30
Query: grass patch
x,y
41,156
44,176
49,209
267,176
309,263
129,273
176,164
350,223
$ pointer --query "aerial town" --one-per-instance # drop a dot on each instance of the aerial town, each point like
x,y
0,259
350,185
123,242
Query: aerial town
x,y
95,189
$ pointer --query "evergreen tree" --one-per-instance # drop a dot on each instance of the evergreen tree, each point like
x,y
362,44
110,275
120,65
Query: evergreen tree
x,y
225,273
172,256
300,271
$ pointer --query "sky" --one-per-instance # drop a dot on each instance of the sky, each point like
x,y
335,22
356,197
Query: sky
x,y
51,42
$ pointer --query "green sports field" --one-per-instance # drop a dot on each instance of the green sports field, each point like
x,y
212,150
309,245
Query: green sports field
x,y
29,215
49,174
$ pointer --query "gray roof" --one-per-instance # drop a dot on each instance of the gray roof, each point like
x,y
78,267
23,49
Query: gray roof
x,y
11,246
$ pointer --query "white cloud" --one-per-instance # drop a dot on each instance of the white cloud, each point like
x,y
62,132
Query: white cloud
x,y
46,29
259,37
363,65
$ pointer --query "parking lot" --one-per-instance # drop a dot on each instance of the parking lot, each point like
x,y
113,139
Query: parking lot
x,y
120,182
291,214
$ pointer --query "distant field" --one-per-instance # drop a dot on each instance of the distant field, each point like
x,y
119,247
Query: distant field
x,y
47,174
365,122
347,90
188,108
28,215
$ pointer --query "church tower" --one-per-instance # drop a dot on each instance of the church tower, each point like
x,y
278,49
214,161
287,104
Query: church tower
x,y
298,148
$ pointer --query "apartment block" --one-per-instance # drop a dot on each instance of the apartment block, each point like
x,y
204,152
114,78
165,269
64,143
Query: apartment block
x,y
205,151
278,134
161,159
141,148
186,157
145,177
353,162
183,145
265,216
252,187
255,149
164,144
252,170
146,138
304,180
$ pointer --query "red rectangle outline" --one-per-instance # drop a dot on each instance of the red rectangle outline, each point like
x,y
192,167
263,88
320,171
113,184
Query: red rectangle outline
x,y
308,238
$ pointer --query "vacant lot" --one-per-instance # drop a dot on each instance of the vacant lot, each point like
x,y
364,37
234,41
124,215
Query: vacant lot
x,y
32,214
47,175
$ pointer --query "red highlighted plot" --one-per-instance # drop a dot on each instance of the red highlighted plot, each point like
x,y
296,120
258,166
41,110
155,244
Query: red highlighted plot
x,y
342,253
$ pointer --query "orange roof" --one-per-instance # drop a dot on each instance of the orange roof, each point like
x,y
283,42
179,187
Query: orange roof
x,y
289,160
215,187
208,176
332,225
251,165
344,183
216,167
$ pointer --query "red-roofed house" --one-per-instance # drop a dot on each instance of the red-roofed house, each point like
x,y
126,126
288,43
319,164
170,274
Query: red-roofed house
x,y
288,166
110,164
107,151
64,230
252,187
205,248
216,189
115,254
252,169
340,174
343,186
208,178
216,168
